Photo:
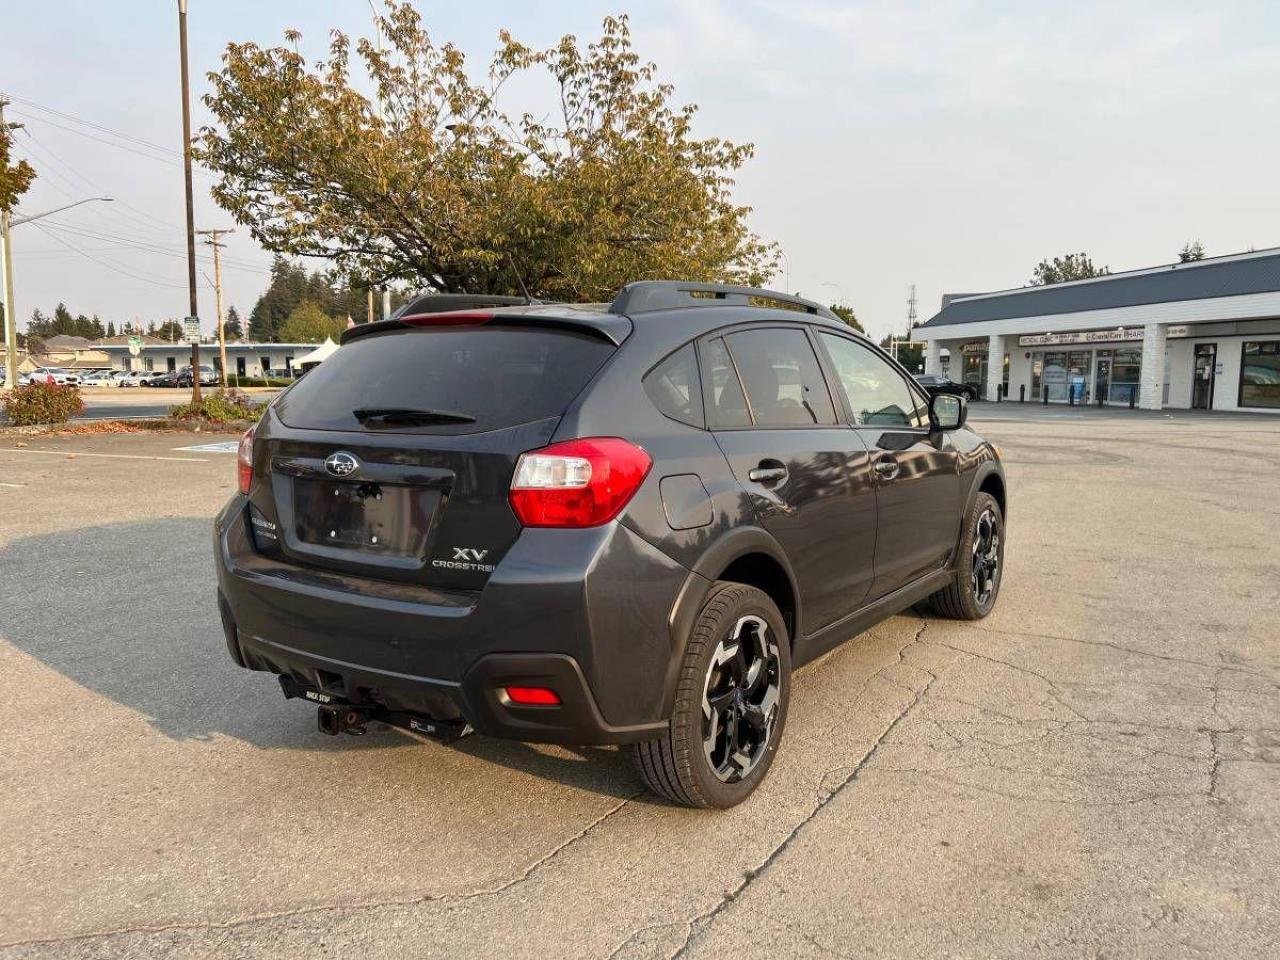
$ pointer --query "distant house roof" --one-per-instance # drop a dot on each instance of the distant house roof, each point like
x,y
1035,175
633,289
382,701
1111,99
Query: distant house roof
x,y
64,341
122,340
1199,280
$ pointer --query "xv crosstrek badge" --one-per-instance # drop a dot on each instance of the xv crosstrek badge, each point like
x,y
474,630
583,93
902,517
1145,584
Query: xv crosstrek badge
x,y
625,523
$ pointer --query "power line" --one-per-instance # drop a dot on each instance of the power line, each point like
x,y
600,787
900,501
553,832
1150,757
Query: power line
x,y
102,263
104,140
96,126
145,245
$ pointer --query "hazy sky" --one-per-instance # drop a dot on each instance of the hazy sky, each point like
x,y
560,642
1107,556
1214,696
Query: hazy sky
x,y
951,145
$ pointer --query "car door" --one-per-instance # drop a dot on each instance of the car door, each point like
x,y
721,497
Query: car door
x,y
808,476
916,472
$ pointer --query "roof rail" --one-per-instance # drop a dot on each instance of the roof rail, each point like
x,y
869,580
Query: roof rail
x,y
646,296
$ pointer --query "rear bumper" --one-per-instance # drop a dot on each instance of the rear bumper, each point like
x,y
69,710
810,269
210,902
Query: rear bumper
x,y
584,613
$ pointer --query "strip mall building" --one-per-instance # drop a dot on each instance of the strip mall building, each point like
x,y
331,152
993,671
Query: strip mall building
x,y
1204,335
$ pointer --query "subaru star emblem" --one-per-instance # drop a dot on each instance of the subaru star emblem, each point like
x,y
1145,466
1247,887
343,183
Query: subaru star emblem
x,y
341,464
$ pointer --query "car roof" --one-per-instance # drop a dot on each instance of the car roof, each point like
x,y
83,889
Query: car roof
x,y
701,307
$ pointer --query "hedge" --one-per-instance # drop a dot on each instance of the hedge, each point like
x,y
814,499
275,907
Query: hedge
x,y
38,403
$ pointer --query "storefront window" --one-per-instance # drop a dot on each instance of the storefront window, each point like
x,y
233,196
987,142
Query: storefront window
x,y
1126,375
975,367
1260,374
1054,376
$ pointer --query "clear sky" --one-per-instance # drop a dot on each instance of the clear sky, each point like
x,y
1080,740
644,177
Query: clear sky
x,y
947,144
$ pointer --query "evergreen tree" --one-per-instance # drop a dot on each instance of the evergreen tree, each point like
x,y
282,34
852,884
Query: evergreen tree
x,y
231,326
111,328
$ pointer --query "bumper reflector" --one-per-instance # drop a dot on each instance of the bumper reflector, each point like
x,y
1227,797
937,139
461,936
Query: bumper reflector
x,y
532,696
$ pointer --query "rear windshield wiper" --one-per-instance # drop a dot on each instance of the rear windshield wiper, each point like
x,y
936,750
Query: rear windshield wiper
x,y
408,415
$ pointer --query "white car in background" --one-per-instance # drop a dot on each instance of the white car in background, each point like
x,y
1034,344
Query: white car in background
x,y
98,378
46,374
135,378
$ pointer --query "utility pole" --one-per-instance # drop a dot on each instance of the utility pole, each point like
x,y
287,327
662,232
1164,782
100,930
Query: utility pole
x,y
369,312
217,245
191,213
10,320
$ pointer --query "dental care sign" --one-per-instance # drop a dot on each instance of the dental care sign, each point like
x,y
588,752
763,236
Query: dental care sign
x,y
1118,335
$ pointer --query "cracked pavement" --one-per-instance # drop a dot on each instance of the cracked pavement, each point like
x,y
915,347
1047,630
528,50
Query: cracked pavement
x,y
1090,772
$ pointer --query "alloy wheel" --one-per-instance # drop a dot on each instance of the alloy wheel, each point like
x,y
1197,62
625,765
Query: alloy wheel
x,y
985,569
740,699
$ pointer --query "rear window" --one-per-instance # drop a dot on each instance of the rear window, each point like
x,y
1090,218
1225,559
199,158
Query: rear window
x,y
500,376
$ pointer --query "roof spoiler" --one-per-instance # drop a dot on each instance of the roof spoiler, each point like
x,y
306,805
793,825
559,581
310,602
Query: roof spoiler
x,y
647,296
448,302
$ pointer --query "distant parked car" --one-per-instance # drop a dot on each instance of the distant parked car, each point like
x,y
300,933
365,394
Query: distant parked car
x,y
50,375
98,378
208,376
135,378
166,378
935,385
278,374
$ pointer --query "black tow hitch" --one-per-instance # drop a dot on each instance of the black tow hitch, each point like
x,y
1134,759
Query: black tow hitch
x,y
335,716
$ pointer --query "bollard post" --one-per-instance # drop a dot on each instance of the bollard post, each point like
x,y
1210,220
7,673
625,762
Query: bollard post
x,y
1022,393
1133,395
1046,395
1071,394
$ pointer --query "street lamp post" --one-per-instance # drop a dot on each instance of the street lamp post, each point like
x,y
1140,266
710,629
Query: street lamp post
x,y
6,255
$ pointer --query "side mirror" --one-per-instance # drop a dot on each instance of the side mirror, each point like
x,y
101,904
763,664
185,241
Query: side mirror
x,y
948,412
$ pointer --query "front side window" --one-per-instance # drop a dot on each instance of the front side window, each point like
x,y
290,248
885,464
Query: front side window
x,y
784,383
1260,374
876,393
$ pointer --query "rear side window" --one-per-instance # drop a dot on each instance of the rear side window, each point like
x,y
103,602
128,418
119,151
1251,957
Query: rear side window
x,y
783,380
496,376
674,387
726,405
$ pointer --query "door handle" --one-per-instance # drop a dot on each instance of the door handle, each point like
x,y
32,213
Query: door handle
x,y
769,472
886,467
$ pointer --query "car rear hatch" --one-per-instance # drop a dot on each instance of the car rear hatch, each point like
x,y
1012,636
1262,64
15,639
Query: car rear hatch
x,y
392,460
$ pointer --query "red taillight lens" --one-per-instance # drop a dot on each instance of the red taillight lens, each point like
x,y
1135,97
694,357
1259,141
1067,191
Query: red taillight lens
x,y
578,483
244,459
532,696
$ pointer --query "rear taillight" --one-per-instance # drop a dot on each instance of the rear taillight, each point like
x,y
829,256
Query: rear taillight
x,y
244,459
578,483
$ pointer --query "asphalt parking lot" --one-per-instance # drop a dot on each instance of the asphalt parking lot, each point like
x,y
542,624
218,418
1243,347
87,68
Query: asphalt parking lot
x,y
1091,772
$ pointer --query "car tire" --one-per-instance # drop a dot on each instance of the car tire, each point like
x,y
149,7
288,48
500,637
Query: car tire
x,y
979,564
739,657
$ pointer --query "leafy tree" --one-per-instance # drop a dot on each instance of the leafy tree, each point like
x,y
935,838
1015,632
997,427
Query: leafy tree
x,y
64,324
309,323
170,330
231,327
1191,251
437,185
847,315
910,355
290,286
1074,266
15,178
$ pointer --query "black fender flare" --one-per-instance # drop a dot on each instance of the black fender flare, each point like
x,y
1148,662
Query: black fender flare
x,y
692,594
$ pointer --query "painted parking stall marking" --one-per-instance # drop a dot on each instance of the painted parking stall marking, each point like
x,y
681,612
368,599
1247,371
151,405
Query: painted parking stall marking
x,y
223,446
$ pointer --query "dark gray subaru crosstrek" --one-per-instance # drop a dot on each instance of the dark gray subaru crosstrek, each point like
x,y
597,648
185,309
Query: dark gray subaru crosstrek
x,y
621,523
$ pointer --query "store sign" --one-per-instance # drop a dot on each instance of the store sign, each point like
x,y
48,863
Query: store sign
x,y
974,346
1118,335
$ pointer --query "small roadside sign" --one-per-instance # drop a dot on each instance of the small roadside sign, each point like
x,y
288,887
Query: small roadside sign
x,y
191,329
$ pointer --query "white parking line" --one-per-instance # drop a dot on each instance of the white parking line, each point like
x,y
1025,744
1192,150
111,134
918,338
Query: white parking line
x,y
111,456
13,486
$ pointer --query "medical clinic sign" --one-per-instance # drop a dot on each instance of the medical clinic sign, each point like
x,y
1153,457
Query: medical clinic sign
x,y
1118,335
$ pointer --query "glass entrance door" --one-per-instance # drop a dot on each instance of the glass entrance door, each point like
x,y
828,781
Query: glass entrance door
x,y
1202,384
1102,379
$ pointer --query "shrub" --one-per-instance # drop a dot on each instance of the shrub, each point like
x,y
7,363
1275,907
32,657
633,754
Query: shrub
x,y
42,403
223,406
